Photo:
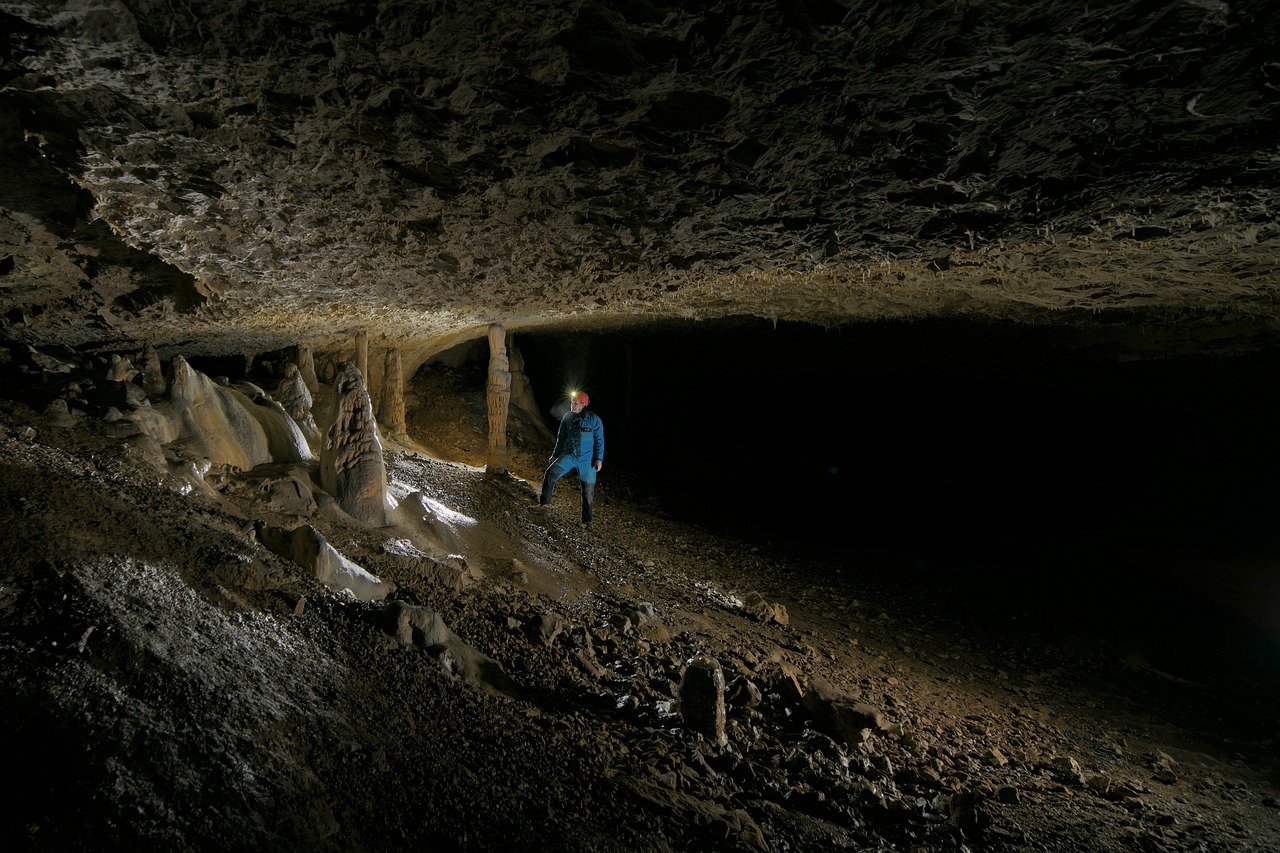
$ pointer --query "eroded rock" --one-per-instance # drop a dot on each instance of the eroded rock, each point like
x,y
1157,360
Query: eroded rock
x,y
845,718
351,464
295,398
702,698
308,548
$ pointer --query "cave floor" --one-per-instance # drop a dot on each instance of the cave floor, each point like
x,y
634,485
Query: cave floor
x,y
186,688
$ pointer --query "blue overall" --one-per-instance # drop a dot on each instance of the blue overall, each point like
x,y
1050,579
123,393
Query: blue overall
x,y
579,446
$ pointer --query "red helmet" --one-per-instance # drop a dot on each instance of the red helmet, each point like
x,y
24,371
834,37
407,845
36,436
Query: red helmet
x,y
581,397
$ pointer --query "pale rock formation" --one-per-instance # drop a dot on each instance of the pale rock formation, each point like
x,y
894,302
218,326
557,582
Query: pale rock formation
x,y
351,466
223,425
498,396
452,573
295,397
153,381
306,547
307,368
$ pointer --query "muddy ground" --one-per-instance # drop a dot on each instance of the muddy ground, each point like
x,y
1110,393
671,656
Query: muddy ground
x,y
170,683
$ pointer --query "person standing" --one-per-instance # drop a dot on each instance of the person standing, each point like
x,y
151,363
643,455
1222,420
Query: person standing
x,y
580,447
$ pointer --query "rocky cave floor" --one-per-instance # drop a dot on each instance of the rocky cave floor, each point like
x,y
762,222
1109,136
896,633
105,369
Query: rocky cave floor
x,y
177,685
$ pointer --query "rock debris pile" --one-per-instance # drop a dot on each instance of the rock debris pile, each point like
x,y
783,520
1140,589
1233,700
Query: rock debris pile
x,y
480,678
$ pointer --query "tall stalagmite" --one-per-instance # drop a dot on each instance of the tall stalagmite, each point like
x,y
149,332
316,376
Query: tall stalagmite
x,y
351,466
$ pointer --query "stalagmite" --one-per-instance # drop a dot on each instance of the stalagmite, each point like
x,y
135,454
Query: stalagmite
x,y
152,373
391,401
702,699
351,466
307,368
499,398
293,395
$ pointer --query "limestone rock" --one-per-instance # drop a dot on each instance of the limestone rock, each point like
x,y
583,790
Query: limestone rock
x,y
351,466
765,611
702,698
839,715
307,369
391,400
295,398
153,381
58,414
307,547
120,370
221,424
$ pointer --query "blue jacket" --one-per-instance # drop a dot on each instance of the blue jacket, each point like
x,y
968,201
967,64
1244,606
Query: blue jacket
x,y
580,436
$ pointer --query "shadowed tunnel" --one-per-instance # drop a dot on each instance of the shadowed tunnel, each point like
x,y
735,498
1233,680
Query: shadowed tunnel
x,y
1036,472
933,437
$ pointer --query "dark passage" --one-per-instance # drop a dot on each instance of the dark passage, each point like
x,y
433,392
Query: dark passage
x,y
1131,501
933,437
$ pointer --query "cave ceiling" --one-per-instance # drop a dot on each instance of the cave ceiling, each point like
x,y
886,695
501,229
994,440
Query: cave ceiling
x,y
241,176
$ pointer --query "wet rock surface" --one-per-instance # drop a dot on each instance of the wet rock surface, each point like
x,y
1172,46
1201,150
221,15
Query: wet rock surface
x,y
188,688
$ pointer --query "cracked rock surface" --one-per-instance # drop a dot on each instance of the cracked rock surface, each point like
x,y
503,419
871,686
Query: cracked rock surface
x,y
245,176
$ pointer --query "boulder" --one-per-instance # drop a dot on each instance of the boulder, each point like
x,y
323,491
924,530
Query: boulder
x,y
838,714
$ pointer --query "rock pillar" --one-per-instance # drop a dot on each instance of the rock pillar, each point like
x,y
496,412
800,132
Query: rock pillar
x,y
307,368
292,394
702,699
499,398
153,381
362,355
351,466
391,401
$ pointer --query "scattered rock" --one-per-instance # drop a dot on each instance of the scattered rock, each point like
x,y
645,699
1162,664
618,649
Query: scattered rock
x,y
764,611
424,628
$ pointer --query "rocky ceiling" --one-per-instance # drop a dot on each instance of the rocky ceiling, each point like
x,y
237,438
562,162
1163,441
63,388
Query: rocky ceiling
x,y
241,176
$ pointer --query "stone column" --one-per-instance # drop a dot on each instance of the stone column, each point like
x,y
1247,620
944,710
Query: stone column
x,y
351,466
362,354
499,398
391,401
307,368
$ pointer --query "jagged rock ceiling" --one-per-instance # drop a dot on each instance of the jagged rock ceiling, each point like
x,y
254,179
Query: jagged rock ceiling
x,y
248,175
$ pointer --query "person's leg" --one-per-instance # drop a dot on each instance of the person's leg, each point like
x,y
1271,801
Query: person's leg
x,y
587,474
588,495
555,471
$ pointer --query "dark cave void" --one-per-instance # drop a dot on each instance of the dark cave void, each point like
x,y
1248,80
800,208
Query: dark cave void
x,y
1012,464
932,437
